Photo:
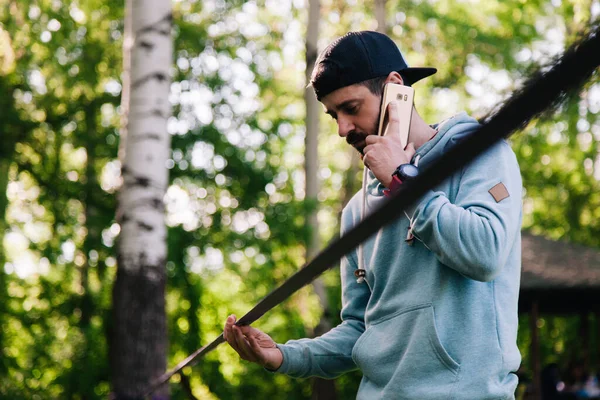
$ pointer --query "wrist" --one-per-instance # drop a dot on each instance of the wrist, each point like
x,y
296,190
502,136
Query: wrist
x,y
387,182
387,175
393,187
275,363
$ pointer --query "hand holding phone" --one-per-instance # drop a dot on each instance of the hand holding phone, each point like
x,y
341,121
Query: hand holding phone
x,y
404,96
384,151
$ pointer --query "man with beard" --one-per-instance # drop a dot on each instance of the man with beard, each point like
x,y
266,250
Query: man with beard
x,y
433,313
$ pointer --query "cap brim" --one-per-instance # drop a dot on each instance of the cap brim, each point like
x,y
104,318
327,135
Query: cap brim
x,y
413,75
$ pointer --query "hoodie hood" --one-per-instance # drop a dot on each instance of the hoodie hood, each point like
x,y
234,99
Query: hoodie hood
x,y
450,132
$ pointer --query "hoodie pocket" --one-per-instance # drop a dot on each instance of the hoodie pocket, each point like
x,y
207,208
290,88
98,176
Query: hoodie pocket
x,y
402,355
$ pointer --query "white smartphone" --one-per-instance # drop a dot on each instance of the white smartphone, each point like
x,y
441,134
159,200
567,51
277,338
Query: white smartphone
x,y
405,96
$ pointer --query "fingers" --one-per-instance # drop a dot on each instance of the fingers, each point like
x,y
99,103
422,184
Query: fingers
x,y
249,331
263,340
393,116
254,344
256,347
371,139
245,340
231,336
392,119
227,334
243,347
265,349
410,150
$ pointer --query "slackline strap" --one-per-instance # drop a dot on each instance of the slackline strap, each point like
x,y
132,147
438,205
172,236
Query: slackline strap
x,y
544,89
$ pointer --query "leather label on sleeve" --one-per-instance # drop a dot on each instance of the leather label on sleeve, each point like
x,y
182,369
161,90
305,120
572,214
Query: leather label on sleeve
x,y
499,192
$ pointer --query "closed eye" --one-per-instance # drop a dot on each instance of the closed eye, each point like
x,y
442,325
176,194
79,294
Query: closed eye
x,y
352,110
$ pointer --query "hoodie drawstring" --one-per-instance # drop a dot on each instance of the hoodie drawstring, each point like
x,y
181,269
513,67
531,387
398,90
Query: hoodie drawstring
x,y
361,272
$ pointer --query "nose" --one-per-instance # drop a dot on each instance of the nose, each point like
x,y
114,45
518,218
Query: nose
x,y
344,126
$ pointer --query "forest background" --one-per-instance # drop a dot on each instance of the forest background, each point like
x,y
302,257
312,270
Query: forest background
x,y
236,204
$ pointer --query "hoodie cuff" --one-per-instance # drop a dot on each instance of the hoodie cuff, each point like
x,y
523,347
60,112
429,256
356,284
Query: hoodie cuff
x,y
292,364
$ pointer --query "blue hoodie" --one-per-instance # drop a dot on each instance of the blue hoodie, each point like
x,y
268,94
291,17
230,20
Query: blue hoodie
x,y
436,319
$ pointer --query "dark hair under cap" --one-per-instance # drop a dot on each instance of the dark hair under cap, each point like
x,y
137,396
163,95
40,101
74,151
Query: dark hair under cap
x,y
357,57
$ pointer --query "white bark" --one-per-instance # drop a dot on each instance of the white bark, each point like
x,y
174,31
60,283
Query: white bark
x,y
321,389
138,350
311,150
380,16
311,156
145,142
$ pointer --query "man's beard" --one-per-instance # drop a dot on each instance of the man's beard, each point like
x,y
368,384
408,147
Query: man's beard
x,y
357,138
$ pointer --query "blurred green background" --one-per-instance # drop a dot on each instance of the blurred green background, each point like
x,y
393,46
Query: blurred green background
x,y
235,206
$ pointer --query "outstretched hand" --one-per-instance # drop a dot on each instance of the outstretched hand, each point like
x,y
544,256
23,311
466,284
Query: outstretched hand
x,y
252,344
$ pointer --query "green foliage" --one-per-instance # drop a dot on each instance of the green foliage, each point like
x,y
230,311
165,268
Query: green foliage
x,y
235,206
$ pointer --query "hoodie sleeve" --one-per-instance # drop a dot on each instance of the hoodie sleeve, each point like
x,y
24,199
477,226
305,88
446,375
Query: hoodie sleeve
x,y
330,355
474,234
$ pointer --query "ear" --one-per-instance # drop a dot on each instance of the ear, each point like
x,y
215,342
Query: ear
x,y
394,77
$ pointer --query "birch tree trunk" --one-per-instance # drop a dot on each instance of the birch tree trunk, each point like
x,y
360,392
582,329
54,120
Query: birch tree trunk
x,y
311,144
138,345
5,360
321,389
380,16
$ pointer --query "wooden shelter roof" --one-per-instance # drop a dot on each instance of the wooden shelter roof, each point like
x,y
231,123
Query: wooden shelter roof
x,y
560,277
549,264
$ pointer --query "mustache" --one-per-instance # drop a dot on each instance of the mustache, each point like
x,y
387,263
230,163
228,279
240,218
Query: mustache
x,y
355,137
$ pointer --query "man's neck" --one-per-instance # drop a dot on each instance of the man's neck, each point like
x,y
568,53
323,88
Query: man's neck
x,y
420,131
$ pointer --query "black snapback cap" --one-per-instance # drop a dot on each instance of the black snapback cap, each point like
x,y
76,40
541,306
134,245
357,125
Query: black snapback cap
x,y
360,56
